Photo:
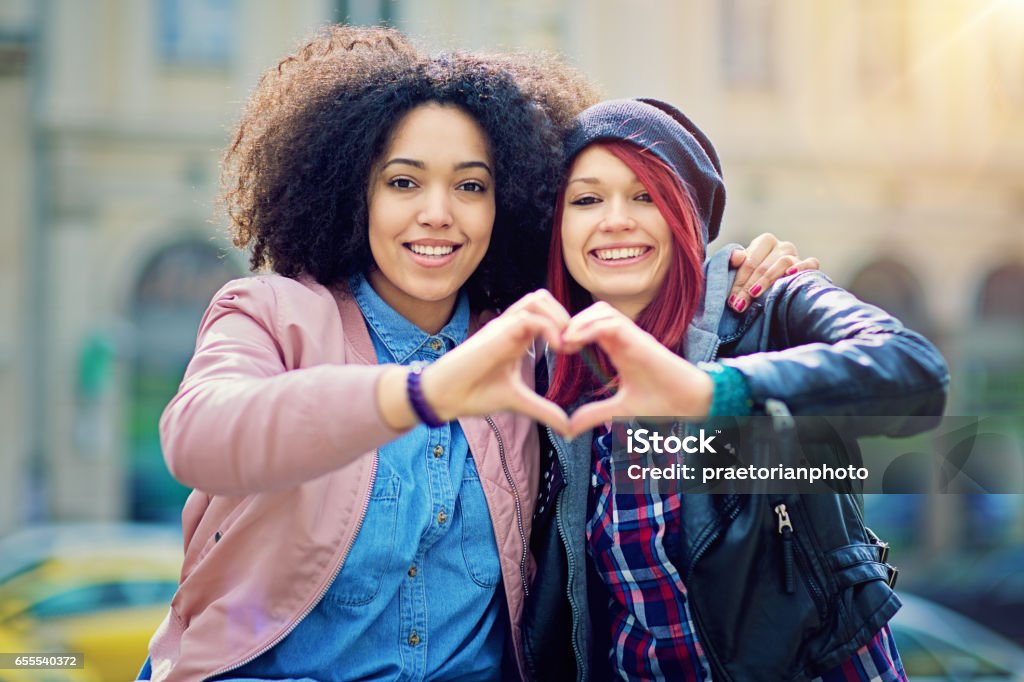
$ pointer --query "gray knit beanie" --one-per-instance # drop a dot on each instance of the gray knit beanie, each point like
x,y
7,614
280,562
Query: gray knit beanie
x,y
666,132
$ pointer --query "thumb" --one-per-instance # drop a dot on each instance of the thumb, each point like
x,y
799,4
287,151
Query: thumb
x,y
737,258
539,408
593,414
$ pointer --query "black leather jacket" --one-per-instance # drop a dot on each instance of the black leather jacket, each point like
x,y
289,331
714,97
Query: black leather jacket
x,y
833,355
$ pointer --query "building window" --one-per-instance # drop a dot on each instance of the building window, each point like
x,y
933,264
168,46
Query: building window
x,y
197,33
884,46
1001,294
748,43
893,288
170,296
992,376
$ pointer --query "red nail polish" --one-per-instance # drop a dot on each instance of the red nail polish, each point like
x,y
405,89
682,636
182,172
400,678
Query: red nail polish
x,y
755,290
732,300
791,271
741,306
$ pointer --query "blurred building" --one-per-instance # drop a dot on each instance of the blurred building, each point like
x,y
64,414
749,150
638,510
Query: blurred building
x,y
885,137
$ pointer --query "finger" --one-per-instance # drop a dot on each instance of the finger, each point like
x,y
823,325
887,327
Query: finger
x,y
513,333
542,302
761,264
533,324
524,302
737,257
761,276
786,249
580,332
757,251
593,313
630,350
539,408
595,414
785,265
739,302
608,332
805,264
776,271
596,309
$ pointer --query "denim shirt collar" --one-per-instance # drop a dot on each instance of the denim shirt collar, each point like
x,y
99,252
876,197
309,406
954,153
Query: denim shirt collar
x,y
706,329
399,336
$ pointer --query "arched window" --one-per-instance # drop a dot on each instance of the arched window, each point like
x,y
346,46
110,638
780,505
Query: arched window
x,y
990,381
170,295
891,286
1002,294
992,376
894,288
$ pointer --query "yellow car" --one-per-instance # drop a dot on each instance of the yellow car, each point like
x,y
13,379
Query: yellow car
x,y
12,644
95,589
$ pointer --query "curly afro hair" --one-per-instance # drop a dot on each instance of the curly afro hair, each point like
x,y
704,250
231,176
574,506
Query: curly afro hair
x,y
296,174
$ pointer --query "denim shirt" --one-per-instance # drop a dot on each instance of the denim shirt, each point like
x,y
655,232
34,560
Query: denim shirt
x,y
419,596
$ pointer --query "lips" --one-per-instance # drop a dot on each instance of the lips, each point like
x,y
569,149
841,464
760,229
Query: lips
x,y
421,250
432,252
437,248
619,253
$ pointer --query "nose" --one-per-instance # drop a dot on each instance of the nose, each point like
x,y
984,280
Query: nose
x,y
616,217
436,211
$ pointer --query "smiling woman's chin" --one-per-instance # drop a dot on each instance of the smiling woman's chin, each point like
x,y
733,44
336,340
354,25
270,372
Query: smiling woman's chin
x,y
629,300
631,308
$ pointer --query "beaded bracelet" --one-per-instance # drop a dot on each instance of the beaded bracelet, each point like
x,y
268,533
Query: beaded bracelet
x,y
730,395
419,403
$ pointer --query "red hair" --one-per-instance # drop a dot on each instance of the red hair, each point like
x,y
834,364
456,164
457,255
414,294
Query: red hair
x,y
669,313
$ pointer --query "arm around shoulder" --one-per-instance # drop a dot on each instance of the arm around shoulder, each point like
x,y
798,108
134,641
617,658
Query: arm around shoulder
x,y
829,353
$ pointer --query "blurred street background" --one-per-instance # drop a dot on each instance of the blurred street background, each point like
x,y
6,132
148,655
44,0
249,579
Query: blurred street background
x,y
885,137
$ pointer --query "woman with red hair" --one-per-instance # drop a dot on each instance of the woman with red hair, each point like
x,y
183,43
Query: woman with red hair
x,y
640,583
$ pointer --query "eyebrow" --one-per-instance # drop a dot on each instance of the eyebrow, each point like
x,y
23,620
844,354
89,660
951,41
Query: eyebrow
x,y
415,163
406,162
589,181
474,164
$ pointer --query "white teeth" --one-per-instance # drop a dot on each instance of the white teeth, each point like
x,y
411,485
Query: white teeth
x,y
431,250
619,254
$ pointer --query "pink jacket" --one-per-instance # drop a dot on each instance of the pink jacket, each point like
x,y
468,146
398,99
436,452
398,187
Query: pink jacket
x,y
275,425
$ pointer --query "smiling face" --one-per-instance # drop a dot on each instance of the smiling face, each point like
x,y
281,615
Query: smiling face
x,y
431,212
615,242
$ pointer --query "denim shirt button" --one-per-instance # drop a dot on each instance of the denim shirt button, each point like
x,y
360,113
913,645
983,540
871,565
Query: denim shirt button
x,y
412,571
442,516
414,639
438,451
436,344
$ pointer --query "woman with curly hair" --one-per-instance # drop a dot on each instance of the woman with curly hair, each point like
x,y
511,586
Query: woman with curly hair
x,y
357,514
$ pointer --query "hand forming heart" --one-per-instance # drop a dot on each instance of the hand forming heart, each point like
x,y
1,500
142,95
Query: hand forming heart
x,y
652,380
486,373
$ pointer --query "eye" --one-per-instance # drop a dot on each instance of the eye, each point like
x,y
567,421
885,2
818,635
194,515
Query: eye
x,y
402,183
587,200
473,186
644,197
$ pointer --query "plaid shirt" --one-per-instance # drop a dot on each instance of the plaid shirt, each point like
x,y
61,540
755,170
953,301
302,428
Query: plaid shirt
x,y
652,631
